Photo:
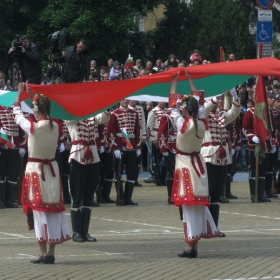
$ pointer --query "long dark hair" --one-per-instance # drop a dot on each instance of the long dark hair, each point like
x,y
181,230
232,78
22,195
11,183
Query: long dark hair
x,y
192,108
44,106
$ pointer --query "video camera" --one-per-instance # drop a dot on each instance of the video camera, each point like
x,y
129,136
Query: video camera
x,y
17,44
58,40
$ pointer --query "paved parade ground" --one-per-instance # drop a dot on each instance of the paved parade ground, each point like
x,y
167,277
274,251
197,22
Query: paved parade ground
x,y
142,242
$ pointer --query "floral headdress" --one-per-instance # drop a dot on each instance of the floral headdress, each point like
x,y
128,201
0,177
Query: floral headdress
x,y
185,100
35,100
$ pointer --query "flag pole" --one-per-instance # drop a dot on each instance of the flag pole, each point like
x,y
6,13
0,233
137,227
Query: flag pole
x,y
258,154
221,54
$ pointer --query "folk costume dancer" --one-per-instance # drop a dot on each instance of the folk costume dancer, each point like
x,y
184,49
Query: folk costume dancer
x,y
215,149
124,120
142,123
84,173
153,121
41,188
190,189
10,156
167,135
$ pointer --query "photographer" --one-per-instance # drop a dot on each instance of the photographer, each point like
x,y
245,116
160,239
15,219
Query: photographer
x,y
26,54
76,63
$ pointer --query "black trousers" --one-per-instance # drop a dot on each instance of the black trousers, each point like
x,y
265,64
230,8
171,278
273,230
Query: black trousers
x,y
107,166
169,163
10,162
216,179
83,183
129,159
262,166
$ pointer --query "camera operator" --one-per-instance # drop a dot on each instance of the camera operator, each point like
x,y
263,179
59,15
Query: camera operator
x,y
76,63
28,58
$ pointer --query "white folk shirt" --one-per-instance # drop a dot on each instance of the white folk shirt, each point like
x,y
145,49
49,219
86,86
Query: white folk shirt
x,y
83,138
153,122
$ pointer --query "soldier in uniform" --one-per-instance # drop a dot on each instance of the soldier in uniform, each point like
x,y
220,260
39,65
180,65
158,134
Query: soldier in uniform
x,y
84,172
124,120
10,157
215,150
152,126
133,106
269,147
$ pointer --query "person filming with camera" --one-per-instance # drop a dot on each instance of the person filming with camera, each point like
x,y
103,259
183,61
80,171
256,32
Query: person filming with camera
x,y
27,55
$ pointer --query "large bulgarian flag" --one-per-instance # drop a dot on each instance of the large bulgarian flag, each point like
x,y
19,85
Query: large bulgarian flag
x,y
83,100
4,139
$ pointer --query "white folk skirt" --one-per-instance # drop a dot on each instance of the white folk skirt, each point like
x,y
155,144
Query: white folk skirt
x,y
51,228
198,223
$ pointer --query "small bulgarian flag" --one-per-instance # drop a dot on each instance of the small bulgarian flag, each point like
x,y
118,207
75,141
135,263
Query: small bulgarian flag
x,y
126,140
4,139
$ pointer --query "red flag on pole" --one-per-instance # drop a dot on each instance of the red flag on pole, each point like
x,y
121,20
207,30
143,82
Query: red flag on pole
x,y
222,55
262,121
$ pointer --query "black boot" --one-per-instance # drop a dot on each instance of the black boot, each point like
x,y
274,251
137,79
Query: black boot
x,y
152,179
228,186
122,201
157,174
85,213
129,186
3,200
268,185
169,183
252,189
222,197
215,212
107,185
261,190
76,220
10,194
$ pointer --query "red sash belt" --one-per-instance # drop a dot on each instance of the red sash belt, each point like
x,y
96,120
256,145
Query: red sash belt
x,y
83,142
193,155
43,161
207,144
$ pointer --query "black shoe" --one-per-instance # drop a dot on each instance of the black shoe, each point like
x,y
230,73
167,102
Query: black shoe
x,y
3,205
89,238
50,259
186,254
109,200
169,201
95,204
77,237
271,194
122,203
152,179
130,202
42,259
194,253
264,199
137,184
231,196
221,234
11,205
223,200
